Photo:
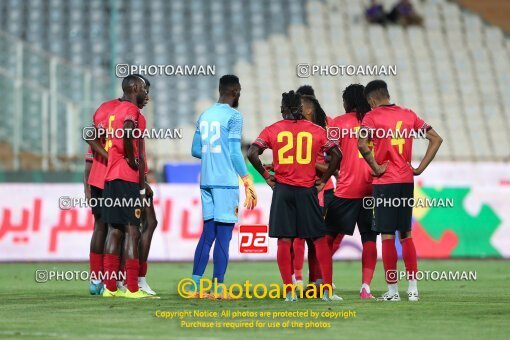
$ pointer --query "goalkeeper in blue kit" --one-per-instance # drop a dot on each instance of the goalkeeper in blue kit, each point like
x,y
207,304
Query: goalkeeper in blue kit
x,y
217,142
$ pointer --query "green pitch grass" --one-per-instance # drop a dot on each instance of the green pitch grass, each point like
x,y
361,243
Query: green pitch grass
x,y
465,309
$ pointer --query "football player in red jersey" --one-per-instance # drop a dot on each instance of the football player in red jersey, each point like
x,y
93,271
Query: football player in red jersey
x,y
295,210
95,172
298,244
149,221
98,235
354,182
125,179
391,129
94,175
312,111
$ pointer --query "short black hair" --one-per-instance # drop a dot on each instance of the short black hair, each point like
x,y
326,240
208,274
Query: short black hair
x,y
291,102
306,90
377,88
355,101
227,81
130,81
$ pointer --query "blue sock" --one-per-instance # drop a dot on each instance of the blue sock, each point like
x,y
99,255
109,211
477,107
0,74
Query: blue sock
x,y
203,248
221,247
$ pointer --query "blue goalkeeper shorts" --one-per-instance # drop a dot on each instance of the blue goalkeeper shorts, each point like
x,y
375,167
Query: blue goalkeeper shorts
x,y
220,204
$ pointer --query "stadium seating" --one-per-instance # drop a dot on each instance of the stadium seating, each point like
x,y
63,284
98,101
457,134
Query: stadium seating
x,y
454,71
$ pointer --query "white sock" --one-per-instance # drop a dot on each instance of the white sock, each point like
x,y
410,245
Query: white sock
x,y
96,282
413,286
367,288
393,288
141,279
294,278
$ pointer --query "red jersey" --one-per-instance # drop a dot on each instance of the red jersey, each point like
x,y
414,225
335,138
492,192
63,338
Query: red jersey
x,y
98,170
89,156
321,159
118,167
396,149
354,179
296,145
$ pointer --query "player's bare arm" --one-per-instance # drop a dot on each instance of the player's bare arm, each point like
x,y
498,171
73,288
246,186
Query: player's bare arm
x,y
254,153
321,167
148,190
86,186
377,169
129,150
97,147
269,166
336,156
435,142
141,168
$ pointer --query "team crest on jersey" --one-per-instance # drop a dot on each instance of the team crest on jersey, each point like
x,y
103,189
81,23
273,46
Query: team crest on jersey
x,y
138,213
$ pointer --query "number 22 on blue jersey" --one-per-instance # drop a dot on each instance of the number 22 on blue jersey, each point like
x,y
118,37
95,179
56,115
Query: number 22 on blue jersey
x,y
210,134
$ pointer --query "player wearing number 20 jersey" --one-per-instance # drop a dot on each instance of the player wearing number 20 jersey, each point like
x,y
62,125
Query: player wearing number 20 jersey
x,y
295,210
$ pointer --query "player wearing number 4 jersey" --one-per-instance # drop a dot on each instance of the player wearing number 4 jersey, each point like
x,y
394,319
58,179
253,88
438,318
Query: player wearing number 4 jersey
x,y
394,178
295,210
217,142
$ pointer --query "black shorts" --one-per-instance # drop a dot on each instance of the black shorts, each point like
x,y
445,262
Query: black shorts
x,y
295,212
343,214
390,217
123,214
329,195
96,194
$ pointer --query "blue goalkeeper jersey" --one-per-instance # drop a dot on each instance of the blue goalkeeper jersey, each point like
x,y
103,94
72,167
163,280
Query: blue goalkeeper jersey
x,y
219,125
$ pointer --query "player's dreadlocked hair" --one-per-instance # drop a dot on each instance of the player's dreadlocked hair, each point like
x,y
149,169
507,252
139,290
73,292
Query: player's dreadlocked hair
x,y
355,101
291,105
319,116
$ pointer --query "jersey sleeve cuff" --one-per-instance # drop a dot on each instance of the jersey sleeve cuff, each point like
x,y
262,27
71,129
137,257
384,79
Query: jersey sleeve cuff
x,y
260,143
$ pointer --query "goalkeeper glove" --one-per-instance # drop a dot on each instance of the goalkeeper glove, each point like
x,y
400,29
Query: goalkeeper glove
x,y
251,195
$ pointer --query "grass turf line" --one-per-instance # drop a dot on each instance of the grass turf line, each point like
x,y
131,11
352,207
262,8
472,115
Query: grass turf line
x,y
448,309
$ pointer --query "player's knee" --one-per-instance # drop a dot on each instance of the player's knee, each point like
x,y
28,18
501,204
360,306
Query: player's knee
x,y
152,223
208,237
133,233
99,226
369,236
115,232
